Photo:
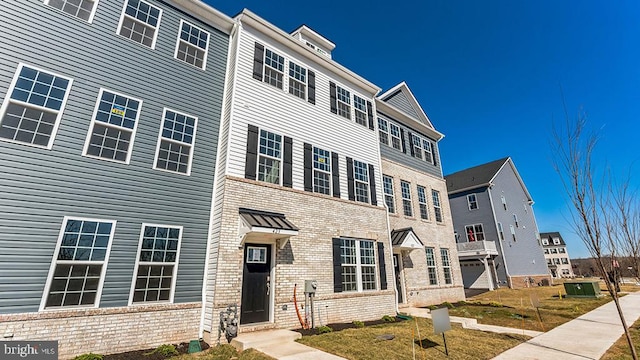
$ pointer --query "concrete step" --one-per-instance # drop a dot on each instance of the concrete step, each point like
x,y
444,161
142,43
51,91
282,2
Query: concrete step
x,y
261,339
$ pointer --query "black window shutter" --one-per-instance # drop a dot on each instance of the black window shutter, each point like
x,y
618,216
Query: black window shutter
x,y
434,154
252,153
287,170
337,266
413,153
372,185
308,167
258,56
370,114
381,265
332,97
350,184
404,147
335,175
312,87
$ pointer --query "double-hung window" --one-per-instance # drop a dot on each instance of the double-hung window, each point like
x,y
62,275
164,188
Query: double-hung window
x,y
396,138
157,264
474,232
554,250
416,143
33,107
389,198
273,68
500,231
556,241
472,201
565,261
405,187
437,209
79,265
562,250
422,201
503,200
446,266
139,22
515,220
174,151
383,131
428,152
270,157
545,241
344,102
361,181
297,80
192,45
546,251
113,127
82,9
360,109
431,266
513,232
556,261
321,171
358,265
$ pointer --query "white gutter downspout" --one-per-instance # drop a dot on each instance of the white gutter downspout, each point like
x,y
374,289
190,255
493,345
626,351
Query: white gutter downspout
x,y
499,241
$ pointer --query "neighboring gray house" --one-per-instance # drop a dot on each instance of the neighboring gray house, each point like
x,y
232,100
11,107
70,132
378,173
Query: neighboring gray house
x,y
108,135
555,251
496,230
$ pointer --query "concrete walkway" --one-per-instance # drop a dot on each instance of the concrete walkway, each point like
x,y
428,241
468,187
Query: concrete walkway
x,y
468,323
586,337
281,345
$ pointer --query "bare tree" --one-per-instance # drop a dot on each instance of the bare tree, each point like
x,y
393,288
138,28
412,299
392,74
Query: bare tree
x,y
595,208
627,223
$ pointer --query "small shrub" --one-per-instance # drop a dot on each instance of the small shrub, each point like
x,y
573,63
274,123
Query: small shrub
x,y
358,324
323,329
495,304
461,303
166,350
89,356
388,318
432,307
448,304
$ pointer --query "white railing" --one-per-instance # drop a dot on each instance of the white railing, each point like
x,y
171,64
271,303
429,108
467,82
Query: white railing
x,y
477,248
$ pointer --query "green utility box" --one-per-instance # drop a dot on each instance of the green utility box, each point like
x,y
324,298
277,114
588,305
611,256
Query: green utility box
x,y
586,289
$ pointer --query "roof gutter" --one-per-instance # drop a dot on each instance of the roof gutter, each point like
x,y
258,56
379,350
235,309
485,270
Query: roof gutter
x,y
205,13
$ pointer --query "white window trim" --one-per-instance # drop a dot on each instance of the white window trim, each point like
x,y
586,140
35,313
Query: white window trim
x,y
281,158
545,241
513,232
439,206
284,72
350,105
417,149
475,234
500,231
314,169
391,136
7,100
178,40
91,16
286,79
356,181
356,110
93,122
431,145
54,262
425,203
160,137
402,193
515,220
157,27
392,195
358,265
475,196
503,200
137,264
388,132
445,267
434,267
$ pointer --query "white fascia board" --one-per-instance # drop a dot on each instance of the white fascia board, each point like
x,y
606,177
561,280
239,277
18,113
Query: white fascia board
x,y
515,171
407,119
205,13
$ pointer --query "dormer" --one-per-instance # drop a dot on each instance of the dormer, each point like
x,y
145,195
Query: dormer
x,y
315,41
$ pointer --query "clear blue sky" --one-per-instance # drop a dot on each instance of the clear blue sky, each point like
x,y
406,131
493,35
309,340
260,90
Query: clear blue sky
x,y
489,73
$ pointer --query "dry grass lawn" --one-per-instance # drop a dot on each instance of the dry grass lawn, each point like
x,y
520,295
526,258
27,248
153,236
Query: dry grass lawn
x,y
620,350
361,344
225,352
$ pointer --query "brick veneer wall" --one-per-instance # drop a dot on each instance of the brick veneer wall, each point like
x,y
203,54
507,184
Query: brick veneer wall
x,y
306,256
107,330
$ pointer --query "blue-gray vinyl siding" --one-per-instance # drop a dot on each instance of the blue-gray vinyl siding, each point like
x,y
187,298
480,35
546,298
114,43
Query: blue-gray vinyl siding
x,y
400,157
38,187
400,101
462,216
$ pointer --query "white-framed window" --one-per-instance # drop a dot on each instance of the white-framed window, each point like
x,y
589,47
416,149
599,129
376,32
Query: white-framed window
x,y
428,151
416,143
556,241
174,151
396,137
422,202
343,97
32,109
383,131
321,171
140,22
256,255
360,109
273,68
545,241
515,220
554,250
565,261
513,232
361,181
79,263
270,157
549,261
113,127
474,232
406,198
297,80
431,266
562,250
389,197
546,251
358,265
503,200
446,266
192,45
500,231
565,272
556,261
472,201
82,9
156,264
437,209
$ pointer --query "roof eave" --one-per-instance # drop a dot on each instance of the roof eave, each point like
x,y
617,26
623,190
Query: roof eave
x,y
407,119
469,188
205,13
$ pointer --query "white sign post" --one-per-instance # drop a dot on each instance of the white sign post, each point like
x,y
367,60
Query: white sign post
x,y
441,323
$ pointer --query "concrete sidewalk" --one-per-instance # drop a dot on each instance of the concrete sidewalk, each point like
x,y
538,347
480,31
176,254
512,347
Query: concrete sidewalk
x,y
280,344
586,337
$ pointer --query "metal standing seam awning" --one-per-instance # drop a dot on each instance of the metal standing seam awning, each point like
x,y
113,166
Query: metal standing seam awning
x,y
267,225
405,239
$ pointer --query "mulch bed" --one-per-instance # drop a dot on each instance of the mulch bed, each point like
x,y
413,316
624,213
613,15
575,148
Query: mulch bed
x,y
148,354
344,326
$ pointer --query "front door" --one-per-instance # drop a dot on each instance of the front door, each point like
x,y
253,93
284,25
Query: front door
x,y
396,265
256,286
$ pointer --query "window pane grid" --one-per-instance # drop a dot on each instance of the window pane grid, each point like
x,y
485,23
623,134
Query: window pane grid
x,y
417,146
388,193
269,159
79,8
360,106
431,266
140,22
422,201
274,68
383,130
270,144
435,195
396,140
158,258
428,155
446,266
406,198
322,171
361,180
344,102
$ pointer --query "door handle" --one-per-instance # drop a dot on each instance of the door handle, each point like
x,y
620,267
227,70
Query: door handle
x,y
268,284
